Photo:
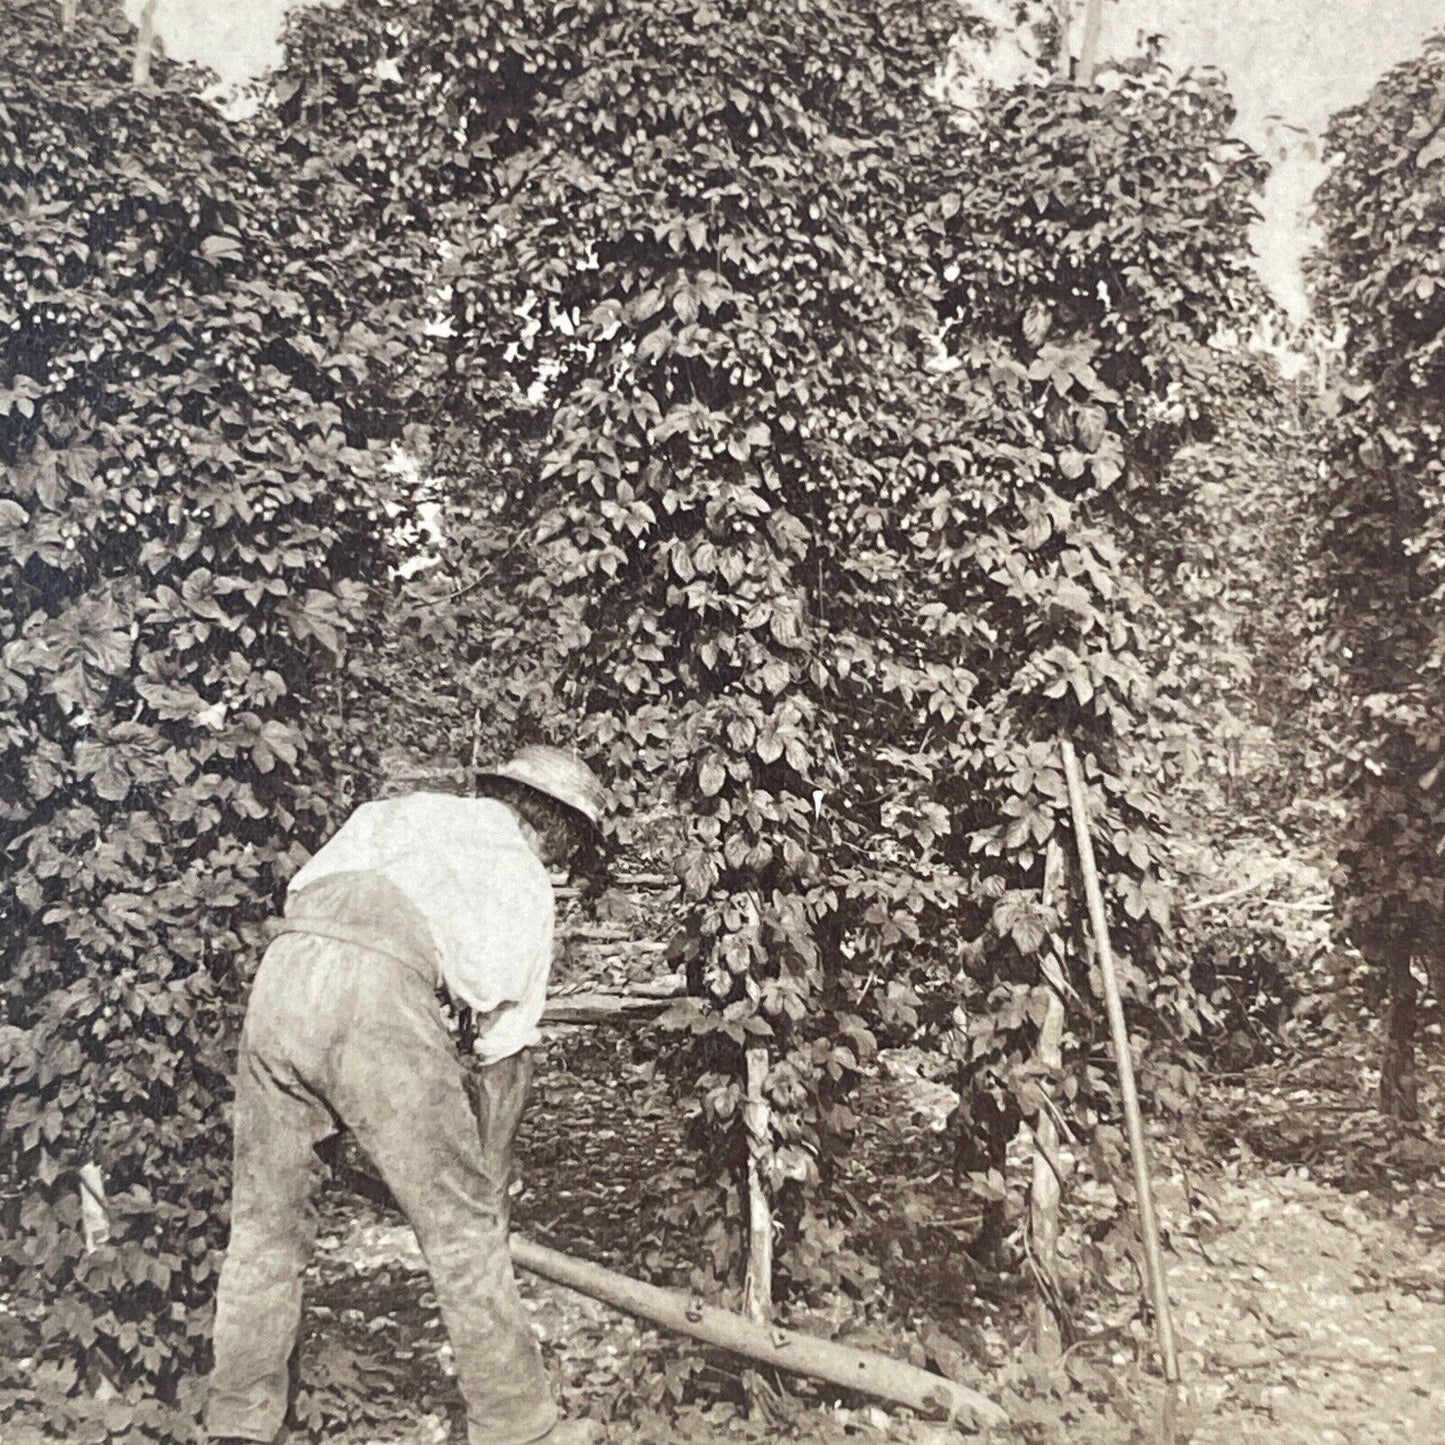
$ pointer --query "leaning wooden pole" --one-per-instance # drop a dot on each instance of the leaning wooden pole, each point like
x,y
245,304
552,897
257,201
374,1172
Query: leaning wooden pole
x,y
1148,1225
928,1394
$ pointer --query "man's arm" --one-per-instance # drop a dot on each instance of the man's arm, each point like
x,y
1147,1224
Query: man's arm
x,y
499,1095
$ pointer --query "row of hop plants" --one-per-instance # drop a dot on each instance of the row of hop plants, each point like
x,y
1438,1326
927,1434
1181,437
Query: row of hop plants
x,y
1378,283
807,451
188,534
801,450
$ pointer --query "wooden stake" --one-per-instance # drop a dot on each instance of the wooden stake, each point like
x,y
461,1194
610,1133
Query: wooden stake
x,y
94,1218
649,881
145,44
1044,1191
1089,46
1064,59
758,1283
932,1396
601,1008
1148,1225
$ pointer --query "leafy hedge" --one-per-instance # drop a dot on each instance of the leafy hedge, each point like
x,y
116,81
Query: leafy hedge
x,y
406,122
802,449
185,539
1378,277
849,516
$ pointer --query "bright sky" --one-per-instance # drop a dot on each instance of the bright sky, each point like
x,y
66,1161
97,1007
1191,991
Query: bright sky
x,y
1297,60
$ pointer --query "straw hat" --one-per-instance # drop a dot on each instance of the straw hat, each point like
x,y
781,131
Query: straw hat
x,y
557,774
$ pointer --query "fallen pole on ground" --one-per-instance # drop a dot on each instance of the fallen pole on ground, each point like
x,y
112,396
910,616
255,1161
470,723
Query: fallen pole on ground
x,y
1119,1031
930,1395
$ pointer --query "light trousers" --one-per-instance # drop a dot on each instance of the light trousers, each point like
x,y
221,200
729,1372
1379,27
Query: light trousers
x,y
337,1034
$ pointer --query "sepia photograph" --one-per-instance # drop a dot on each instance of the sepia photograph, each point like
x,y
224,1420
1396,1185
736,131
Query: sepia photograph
x,y
722,721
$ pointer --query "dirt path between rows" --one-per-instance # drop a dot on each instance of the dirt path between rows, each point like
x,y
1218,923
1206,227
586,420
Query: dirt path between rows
x,y
1306,1318
1309,1301
1308,1266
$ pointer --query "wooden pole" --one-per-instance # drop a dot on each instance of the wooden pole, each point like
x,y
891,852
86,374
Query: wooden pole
x,y
758,1282
94,1216
1148,1225
604,1008
145,44
930,1395
1064,59
563,889
1044,1191
1089,46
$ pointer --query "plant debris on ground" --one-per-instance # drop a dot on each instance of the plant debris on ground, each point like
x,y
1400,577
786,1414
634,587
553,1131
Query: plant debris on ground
x,y
1305,1251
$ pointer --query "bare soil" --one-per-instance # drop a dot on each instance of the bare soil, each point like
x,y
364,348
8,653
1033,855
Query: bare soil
x,y
1305,1248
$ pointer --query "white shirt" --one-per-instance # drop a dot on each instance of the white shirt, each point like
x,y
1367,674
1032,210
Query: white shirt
x,y
464,864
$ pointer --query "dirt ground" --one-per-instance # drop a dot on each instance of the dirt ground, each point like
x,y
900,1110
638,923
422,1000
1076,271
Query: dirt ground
x,y
1307,1319
1305,1249
1308,1269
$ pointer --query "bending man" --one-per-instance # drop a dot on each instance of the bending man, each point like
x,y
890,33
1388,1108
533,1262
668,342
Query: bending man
x,y
344,1027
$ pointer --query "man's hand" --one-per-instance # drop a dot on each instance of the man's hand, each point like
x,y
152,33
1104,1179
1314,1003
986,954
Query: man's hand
x,y
499,1096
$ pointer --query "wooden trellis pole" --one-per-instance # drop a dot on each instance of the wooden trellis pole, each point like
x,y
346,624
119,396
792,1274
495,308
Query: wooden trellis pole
x,y
1119,1031
94,1218
758,1282
1044,1190
145,44
1064,60
1089,46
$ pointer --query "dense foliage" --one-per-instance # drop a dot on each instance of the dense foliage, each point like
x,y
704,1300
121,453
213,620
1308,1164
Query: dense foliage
x,y
1077,307
1378,276
855,424
1237,582
185,535
407,122
801,448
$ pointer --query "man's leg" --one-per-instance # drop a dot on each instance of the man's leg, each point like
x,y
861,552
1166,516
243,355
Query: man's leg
x,y
273,1228
398,1084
